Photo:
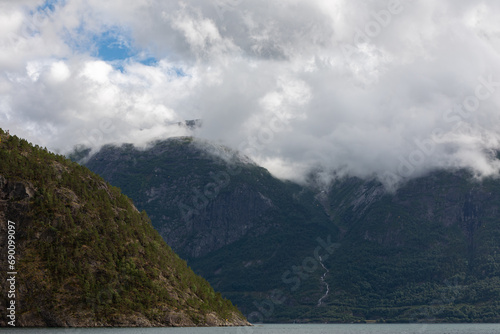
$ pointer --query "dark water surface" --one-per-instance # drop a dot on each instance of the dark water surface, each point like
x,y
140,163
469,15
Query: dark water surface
x,y
285,329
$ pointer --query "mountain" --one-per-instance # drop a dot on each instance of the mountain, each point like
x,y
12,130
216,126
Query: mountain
x,y
231,219
351,252
81,254
430,251
202,197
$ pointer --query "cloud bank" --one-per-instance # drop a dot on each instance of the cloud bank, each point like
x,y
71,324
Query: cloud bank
x,y
390,89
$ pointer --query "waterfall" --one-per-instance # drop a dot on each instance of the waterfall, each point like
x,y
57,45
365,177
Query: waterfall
x,y
322,280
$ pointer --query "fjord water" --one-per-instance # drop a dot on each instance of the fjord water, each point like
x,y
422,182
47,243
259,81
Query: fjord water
x,y
286,329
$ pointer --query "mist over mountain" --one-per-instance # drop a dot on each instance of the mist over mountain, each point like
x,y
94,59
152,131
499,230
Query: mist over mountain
x,y
385,89
352,251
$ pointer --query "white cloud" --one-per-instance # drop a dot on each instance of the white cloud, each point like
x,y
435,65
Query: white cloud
x,y
295,84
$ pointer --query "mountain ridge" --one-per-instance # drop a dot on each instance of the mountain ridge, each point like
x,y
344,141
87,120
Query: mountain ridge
x,y
395,252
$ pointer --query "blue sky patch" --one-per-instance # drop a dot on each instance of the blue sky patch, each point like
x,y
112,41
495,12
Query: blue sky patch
x,y
113,46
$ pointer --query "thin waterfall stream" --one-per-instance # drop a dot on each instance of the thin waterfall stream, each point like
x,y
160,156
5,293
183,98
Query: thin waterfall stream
x,y
322,279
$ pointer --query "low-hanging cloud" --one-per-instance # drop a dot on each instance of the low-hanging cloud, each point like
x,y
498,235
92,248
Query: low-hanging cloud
x,y
387,89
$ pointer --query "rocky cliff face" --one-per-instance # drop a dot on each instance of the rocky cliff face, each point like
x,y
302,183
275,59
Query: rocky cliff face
x,y
14,202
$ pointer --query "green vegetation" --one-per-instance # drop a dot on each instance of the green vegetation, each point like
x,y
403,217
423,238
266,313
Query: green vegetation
x,y
87,254
275,224
429,252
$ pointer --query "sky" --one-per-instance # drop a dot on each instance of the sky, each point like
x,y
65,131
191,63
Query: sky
x,y
386,89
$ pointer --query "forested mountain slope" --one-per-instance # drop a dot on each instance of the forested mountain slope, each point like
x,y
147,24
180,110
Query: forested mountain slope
x,y
85,256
